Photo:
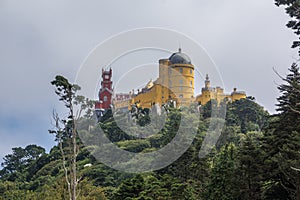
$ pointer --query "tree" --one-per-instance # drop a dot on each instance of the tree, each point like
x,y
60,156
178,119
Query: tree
x,y
283,138
223,182
19,160
292,9
16,161
282,142
250,165
66,129
247,114
130,188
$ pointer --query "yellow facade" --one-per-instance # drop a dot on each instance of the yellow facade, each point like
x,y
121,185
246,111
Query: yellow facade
x,y
237,95
176,82
208,93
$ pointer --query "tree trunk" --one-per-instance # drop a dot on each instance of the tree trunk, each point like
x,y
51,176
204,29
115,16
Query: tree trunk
x,y
74,167
298,191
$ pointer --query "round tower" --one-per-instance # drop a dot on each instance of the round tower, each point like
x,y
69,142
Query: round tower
x,y
181,78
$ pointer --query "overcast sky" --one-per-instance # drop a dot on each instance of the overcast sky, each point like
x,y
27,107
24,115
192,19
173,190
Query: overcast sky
x,y
39,39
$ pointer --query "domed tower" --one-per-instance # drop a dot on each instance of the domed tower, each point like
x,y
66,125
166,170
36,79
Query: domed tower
x,y
181,78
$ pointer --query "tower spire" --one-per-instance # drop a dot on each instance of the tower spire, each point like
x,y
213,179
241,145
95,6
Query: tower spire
x,y
207,82
207,78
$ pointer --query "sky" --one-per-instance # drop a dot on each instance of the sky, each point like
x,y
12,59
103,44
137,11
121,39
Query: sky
x,y
40,39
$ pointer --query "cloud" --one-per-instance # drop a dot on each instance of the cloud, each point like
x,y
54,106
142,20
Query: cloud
x,y
40,39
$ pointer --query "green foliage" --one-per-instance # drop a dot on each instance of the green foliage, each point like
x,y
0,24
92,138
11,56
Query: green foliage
x,y
250,166
187,178
88,191
256,157
292,9
223,180
247,115
282,141
151,187
113,131
15,164
65,90
134,145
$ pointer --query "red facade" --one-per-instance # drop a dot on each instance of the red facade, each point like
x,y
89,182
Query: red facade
x,y
106,91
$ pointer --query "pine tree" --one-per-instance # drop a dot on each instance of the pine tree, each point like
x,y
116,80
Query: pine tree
x,y
282,142
292,9
223,183
250,162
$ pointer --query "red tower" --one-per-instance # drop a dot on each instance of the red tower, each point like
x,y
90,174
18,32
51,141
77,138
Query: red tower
x,y
105,92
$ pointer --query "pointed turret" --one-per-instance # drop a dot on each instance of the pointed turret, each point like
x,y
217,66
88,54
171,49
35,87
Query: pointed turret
x,y
207,82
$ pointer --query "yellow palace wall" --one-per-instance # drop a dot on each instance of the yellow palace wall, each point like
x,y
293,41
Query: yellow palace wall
x,y
176,82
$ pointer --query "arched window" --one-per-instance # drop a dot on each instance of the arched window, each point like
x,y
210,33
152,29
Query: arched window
x,y
180,70
105,98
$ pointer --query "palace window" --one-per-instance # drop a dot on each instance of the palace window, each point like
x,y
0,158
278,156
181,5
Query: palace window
x,y
191,83
191,71
181,82
180,70
180,96
180,88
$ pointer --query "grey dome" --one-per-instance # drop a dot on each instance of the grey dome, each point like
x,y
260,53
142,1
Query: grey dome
x,y
180,58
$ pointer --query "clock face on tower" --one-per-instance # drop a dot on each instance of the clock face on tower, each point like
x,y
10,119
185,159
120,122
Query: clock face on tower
x,y
106,76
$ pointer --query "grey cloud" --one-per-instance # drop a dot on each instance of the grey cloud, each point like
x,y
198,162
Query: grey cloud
x,y
40,39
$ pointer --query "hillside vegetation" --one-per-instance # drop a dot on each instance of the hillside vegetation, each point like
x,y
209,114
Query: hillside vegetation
x,y
256,157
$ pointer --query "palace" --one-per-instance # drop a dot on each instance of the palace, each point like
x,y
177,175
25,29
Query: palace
x,y
175,82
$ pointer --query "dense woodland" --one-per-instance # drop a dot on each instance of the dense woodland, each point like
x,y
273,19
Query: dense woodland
x,y
256,157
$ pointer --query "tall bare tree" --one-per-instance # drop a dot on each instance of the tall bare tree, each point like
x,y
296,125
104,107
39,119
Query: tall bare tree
x,y
66,130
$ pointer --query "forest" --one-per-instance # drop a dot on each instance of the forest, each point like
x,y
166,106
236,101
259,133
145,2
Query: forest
x,y
257,155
